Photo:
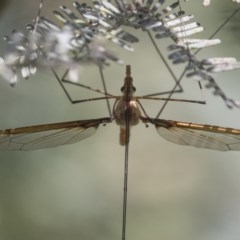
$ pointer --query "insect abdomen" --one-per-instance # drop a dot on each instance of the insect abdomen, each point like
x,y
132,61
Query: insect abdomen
x,y
123,136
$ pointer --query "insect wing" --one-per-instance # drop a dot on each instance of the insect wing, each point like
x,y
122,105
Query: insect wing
x,y
198,135
49,135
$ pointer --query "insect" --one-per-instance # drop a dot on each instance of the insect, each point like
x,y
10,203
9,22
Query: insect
x,y
127,111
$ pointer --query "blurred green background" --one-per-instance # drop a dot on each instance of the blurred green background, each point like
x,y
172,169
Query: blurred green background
x,y
75,192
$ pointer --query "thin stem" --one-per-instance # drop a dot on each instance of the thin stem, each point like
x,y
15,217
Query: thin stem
x,y
38,16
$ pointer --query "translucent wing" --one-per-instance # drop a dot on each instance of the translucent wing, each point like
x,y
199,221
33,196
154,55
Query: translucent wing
x,y
48,135
198,135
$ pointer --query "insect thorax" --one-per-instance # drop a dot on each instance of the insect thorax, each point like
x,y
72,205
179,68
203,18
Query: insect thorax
x,y
120,112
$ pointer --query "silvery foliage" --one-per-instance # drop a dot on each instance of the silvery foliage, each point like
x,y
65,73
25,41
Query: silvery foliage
x,y
208,2
82,37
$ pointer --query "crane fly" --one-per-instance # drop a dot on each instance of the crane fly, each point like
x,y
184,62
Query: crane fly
x,y
127,111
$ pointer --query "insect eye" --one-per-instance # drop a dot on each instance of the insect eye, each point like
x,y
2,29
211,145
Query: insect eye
x,y
134,89
122,89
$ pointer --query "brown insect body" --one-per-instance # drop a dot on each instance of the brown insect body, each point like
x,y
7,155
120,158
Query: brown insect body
x,y
126,111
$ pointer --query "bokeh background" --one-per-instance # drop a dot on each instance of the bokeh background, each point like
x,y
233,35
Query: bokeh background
x,y
75,192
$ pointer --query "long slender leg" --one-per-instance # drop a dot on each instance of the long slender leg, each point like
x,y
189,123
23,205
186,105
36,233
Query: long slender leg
x,y
221,27
183,73
83,85
170,95
105,93
105,89
178,87
125,184
172,99
81,100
